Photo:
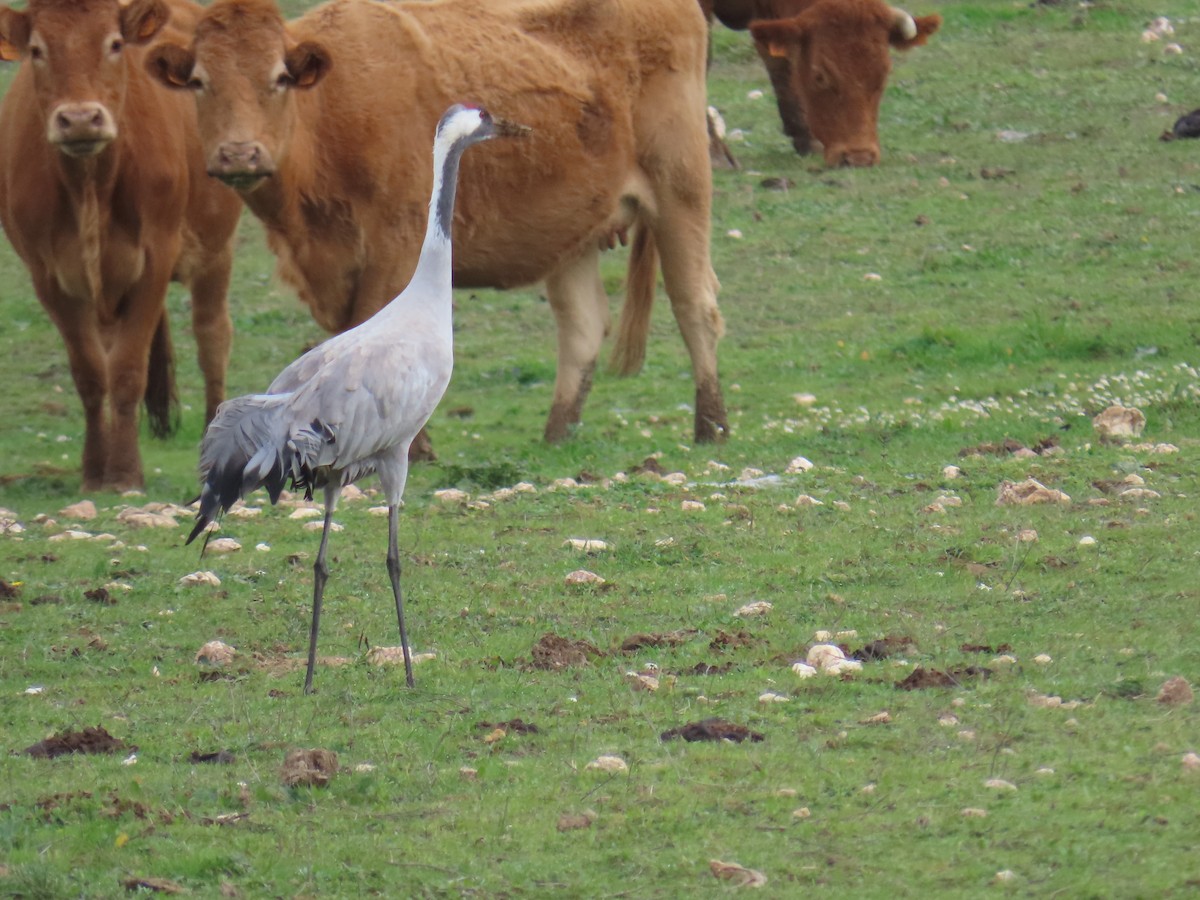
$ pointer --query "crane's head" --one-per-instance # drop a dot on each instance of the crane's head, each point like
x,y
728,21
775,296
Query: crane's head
x,y
471,124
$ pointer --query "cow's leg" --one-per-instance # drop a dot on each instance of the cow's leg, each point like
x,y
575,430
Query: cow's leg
x,y
212,327
691,285
128,360
89,370
580,308
791,111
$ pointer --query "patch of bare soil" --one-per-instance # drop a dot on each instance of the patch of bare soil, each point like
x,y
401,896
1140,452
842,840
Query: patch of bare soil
x,y
726,641
1008,447
891,645
513,726
712,730
665,639
703,668
8,591
649,464
222,757
986,648
554,653
921,677
309,768
100,595
90,740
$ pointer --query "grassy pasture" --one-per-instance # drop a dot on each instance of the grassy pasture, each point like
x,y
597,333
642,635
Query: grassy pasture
x,y
1033,242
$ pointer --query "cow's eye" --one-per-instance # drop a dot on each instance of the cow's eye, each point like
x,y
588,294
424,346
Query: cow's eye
x,y
116,46
283,81
36,53
822,79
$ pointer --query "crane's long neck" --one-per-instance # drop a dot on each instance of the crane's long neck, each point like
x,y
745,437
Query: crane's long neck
x,y
434,267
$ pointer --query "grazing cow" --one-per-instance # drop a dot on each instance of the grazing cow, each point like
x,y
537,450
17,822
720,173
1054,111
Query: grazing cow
x,y
322,124
828,62
104,196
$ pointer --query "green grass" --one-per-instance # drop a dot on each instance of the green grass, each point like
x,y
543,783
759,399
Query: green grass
x,y
1023,286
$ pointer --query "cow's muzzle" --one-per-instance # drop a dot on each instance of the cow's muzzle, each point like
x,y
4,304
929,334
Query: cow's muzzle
x,y
81,129
243,165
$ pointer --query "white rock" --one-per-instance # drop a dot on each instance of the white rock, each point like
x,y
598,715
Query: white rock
x,y
200,578
807,500
244,512
772,697
1119,422
1028,492
1087,541
1043,659
999,784
587,545
222,545
320,526
306,512
804,670
798,464
757,608
951,472
821,656
583,576
451,496
215,653
608,764
691,506
84,509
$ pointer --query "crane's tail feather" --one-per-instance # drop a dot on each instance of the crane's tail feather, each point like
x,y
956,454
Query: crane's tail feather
x,y
249,445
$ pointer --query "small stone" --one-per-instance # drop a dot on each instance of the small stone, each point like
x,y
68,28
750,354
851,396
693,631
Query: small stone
x,y
200,578
587,545
999,784
1118,423
306,512
451,496
807,500
222,545
804,670
608,764
799,464
215,653
1191,761
84,509
772,697
691,506
1043,659
802,813
974,812
757,608
583,576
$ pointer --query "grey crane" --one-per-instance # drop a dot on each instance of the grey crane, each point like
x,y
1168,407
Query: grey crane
x,y
353,404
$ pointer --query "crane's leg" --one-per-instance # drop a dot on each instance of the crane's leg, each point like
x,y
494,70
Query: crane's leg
x,y
393,567
320,576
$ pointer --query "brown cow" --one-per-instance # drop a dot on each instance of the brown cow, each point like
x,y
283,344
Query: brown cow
x,y
322,124
828,62
104,196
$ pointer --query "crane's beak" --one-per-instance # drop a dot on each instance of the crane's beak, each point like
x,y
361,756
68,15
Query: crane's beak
x,y
507,128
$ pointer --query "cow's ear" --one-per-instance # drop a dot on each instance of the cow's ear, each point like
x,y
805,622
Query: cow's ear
x,y
307,63
14,33
777,36
143,19
171,64
925,26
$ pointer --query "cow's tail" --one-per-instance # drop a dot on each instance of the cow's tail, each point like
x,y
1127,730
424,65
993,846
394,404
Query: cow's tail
x,y
162,402
633,329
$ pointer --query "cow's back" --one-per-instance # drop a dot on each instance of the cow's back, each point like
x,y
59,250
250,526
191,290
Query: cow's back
x,y
573,70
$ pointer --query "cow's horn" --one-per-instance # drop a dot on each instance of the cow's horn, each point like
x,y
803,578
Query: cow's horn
x,y
904,22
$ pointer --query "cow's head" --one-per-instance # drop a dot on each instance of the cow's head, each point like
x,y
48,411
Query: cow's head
x,y
838,55
242,67
77,52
